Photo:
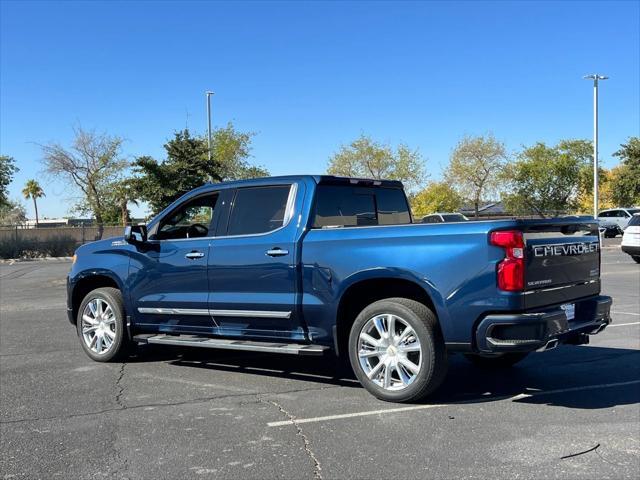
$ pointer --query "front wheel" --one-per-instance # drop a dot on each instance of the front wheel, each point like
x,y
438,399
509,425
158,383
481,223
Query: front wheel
x,y
101,325
501,360
397,350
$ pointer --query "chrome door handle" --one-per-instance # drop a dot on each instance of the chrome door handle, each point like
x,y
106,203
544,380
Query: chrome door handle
x,y
277,252
194,255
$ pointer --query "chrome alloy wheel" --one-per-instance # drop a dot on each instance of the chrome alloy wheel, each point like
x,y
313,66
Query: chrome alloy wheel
x,y
98,326
389,352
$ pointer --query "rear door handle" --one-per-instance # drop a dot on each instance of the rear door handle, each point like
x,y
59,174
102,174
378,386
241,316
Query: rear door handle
x,y
193,255
277,252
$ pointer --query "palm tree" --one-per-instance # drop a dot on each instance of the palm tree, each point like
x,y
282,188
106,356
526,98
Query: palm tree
x,y
32,189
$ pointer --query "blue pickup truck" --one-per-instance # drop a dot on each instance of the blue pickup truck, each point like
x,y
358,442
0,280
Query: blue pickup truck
x,y
308,265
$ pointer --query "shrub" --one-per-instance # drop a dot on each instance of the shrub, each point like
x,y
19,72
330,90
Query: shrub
x,y
55,246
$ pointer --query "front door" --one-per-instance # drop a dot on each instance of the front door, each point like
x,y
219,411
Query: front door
x,y
252,264
169,287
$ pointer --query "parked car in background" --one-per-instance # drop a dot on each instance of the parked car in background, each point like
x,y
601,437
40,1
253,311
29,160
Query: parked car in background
x,y
631,238
610,230
444,218
618,216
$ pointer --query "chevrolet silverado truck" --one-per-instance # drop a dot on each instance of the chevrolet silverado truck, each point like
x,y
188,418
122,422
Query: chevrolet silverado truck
x,y
307,265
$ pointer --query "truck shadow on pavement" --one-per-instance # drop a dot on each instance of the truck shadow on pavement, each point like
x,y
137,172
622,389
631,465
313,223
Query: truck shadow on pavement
x,y
586,377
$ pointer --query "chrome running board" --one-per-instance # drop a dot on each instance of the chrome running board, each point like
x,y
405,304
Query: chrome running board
x,y
222,343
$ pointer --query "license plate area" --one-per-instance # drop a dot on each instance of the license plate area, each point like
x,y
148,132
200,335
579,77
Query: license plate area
x,y
569,310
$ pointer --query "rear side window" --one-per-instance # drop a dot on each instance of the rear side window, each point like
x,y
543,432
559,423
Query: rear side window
x,y
346,206
258,210
635,220
392,207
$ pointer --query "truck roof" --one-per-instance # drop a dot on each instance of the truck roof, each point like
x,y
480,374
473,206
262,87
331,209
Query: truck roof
x,y
319,179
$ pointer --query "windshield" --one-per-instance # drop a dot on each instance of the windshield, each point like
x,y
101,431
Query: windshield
x,y
635,220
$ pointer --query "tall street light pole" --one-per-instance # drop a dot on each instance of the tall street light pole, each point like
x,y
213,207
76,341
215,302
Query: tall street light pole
x,y
595,77
208,94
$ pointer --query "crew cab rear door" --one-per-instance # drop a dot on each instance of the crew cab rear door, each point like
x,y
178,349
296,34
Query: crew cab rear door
x,y
562,261
253,264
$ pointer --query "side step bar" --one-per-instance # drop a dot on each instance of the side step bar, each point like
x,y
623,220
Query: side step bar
x,y
207,342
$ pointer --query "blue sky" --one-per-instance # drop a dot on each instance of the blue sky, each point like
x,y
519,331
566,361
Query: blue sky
x,y
307,77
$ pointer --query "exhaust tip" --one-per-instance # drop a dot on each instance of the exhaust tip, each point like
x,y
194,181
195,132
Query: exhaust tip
x,y
550,345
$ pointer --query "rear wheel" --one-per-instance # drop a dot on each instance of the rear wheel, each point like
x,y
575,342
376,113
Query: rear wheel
x,y
397,351
101,325
501,360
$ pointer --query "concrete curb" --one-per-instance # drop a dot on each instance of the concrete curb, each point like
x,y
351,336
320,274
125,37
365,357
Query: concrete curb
x,y
11,261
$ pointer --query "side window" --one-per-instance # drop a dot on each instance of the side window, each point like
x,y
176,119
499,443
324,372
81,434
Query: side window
x,y
392,207
605,215
430,219
338,206
258,209
191,220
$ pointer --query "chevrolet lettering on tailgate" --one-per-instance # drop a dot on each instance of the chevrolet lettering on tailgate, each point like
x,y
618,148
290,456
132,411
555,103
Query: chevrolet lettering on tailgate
x,y
565,249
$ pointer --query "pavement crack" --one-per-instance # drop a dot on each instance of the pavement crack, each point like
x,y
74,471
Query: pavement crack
x,y
317,470
191,401
120,387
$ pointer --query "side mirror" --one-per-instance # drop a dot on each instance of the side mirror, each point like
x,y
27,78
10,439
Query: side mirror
x,y
135,233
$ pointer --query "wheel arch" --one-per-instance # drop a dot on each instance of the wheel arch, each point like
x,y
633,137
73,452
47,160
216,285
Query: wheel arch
x,y
366,289
86,282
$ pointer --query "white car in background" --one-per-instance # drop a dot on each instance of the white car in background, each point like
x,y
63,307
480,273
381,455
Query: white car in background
x,y
631,238
444,218
617,216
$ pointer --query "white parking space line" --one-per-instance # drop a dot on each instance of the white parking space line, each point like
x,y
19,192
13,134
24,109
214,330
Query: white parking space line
x,y
351,415
520,396
623,324
625,313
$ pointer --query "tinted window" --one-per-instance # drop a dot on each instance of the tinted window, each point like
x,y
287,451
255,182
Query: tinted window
x,y
191,220
432,219
392,206
635,221
605,215
344,207
453,218
258,210
633,211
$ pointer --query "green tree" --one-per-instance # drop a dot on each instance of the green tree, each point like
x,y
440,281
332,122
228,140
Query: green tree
x,y
12,213
366,158
475,166
625,185
92,164
436,197
187,165
7,170
547,180
33,190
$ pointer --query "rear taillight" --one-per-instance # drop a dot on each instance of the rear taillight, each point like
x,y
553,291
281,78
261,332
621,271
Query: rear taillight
x,y
511,269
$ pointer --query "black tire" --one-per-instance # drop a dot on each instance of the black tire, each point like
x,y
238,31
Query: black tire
x,y
636,258
503,360
422,320
121,345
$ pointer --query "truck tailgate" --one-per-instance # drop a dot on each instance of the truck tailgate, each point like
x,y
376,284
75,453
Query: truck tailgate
x,y
562,261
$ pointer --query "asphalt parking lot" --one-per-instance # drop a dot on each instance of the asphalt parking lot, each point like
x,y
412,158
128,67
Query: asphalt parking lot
x,y
212,414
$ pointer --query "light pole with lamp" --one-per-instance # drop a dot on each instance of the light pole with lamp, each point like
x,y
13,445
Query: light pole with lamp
x,y
595,77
